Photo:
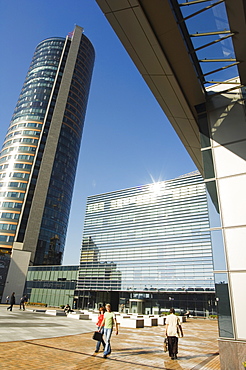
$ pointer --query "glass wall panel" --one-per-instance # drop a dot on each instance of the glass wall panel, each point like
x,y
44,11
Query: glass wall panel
x,y
223,305
51,292
218,250
208,163
52,297
213,204
52,275
56,299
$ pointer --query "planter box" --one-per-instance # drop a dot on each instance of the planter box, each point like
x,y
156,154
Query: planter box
x,y
150,321
55,313
161,320
132,323
78,316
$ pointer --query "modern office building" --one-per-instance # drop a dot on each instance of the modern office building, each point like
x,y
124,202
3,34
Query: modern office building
x,y
51,285
192,55
147,247
39,157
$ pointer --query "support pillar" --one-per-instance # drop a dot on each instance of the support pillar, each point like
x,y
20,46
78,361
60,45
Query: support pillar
x,y
223,131
16,278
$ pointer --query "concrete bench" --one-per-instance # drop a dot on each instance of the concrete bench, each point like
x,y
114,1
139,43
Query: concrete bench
x,y
77,316
182,318
55,313
92,316
132,323
150,321
122,317
79,312
161,320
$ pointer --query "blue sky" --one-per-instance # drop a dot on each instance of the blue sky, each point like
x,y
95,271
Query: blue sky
x,y
127,140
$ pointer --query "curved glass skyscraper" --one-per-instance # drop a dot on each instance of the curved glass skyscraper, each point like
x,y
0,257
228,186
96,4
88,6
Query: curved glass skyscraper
x,y
39,156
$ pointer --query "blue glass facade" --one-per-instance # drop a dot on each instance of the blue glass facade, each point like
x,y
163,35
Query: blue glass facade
x,y
26,143
151,239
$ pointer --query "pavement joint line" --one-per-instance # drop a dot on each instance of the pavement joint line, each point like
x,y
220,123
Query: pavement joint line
x,y
89,355
197,367
72,348
205,362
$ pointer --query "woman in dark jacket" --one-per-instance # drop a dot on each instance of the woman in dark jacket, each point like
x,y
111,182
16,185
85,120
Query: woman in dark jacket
x,y
12,301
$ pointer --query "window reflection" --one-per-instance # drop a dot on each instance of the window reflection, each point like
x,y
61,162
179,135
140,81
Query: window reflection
x,y
148,238
218,250
223,305
213,205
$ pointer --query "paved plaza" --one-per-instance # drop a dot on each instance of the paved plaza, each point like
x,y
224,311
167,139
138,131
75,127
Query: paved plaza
x,y
38,341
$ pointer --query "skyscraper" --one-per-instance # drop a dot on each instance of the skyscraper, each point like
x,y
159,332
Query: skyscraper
x,y
39,156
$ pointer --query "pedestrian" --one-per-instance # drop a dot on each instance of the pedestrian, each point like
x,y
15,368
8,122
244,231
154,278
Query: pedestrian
x,y
7,299
108,322
67,309
23,301
12,301
187,314
173,328
99,322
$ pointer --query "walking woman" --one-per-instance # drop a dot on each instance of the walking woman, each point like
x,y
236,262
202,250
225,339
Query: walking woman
x,y
99,323
108,322
173,328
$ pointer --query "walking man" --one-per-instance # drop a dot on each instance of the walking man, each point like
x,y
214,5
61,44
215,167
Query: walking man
x,y
108,323
173,328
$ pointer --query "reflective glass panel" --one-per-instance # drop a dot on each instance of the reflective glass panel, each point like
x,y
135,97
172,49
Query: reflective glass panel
x,y
223,305
151,237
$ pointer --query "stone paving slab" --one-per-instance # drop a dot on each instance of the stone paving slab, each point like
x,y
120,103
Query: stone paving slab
x,y
132,349
25,325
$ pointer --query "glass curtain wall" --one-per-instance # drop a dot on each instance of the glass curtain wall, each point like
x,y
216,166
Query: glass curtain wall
x,y
25,144
148,238
23,135
51,285
51,241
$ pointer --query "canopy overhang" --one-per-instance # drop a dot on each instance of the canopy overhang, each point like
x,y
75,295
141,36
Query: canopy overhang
x,y
152,37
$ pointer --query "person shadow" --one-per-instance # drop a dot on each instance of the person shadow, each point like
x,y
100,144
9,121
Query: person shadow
x,y
172,365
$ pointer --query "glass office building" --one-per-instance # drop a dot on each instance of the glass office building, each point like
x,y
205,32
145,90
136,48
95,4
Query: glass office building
x,y
147,241
51,285
39,156
26,141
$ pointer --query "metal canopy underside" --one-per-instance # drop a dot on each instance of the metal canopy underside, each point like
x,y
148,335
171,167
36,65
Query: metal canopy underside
x,y
159,48
236,13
